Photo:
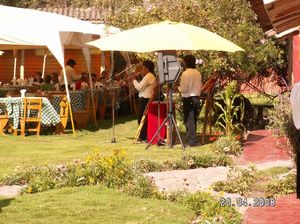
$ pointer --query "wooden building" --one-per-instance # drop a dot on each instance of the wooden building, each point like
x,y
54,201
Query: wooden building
x,y
282,18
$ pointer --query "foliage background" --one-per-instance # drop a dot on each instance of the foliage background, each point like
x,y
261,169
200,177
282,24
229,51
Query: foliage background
x,y
232,19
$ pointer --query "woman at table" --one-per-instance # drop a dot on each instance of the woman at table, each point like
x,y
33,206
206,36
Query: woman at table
x,y
54,81
70,73
46,85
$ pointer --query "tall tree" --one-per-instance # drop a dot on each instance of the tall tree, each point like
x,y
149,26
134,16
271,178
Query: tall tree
x,y
232,19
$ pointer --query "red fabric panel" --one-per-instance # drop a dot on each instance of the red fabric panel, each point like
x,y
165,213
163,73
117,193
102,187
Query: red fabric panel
x,y
156,114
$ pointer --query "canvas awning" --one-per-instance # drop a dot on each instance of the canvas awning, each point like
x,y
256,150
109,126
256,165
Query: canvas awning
x,y
23,28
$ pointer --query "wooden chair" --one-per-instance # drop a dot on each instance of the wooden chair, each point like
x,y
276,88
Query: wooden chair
x,y
81,117
3,118
207,99
3,122
32,113
64,113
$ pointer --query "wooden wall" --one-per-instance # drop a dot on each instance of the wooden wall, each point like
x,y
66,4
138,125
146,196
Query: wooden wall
x,y
33,63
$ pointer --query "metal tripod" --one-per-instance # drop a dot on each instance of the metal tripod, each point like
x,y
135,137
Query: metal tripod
x,y
171,121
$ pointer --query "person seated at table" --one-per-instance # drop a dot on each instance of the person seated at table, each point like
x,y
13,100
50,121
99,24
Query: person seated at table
x,y
54,81
37,80
46,85
70,73
82,83
101,82
94,79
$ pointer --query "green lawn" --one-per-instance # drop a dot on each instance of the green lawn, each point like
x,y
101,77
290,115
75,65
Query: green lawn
x,y
95,204
32,150
86,204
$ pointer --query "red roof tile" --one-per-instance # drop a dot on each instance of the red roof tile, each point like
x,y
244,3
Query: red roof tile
x,y
92,14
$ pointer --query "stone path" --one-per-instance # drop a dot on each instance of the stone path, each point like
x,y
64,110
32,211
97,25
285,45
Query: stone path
x,y
11,191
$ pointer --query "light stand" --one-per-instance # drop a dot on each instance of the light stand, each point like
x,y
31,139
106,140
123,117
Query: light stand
x,y
171,121
112,91
168,69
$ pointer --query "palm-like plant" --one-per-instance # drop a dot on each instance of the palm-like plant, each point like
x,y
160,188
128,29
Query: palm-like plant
x,y
232,115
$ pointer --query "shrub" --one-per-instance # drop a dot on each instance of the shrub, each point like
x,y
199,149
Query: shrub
x,y
238,180
282,186
146,166
232,110
227,145
208,208
209,160
141,186
112,170
281,123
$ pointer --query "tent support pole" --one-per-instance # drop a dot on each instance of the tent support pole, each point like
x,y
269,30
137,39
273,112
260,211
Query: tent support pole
x,y
69,100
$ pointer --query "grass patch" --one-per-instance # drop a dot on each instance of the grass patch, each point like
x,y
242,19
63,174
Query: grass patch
x,y
263,178
259,99
89,205
51,149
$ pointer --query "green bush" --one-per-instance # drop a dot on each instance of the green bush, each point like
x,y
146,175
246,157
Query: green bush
x,y
281,123
208,208
112,170
146,166
208,160
238,180
282,186
232,113
141,186
226,145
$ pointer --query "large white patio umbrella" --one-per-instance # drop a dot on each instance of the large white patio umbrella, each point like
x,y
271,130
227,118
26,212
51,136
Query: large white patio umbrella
x,y
165,36
27,28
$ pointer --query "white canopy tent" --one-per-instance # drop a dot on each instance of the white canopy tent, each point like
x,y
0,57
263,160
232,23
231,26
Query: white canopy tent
x,y
27,28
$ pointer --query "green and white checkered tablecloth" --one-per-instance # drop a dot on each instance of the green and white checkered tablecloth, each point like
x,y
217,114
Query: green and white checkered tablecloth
x,y
78,100
14,107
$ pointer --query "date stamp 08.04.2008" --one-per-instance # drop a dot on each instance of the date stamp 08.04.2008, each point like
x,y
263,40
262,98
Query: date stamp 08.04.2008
x,y
247,202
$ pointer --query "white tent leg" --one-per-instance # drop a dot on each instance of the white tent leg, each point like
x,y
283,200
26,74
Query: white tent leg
x,y
44,64
87,58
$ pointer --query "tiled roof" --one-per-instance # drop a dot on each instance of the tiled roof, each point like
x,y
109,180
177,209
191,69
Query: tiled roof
x,y
93,14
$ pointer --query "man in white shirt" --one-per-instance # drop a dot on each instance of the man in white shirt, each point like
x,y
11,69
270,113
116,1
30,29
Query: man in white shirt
x,y
190,88
145,88
70,72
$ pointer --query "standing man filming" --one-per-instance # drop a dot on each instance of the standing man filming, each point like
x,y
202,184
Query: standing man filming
x,y
145,88
190,88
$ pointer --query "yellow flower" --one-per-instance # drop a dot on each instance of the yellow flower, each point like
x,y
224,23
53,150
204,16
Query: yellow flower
x,y
91,180
123,152
110,162
29,190
221,193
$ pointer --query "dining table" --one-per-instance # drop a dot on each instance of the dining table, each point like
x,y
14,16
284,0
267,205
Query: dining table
x,y
13,106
